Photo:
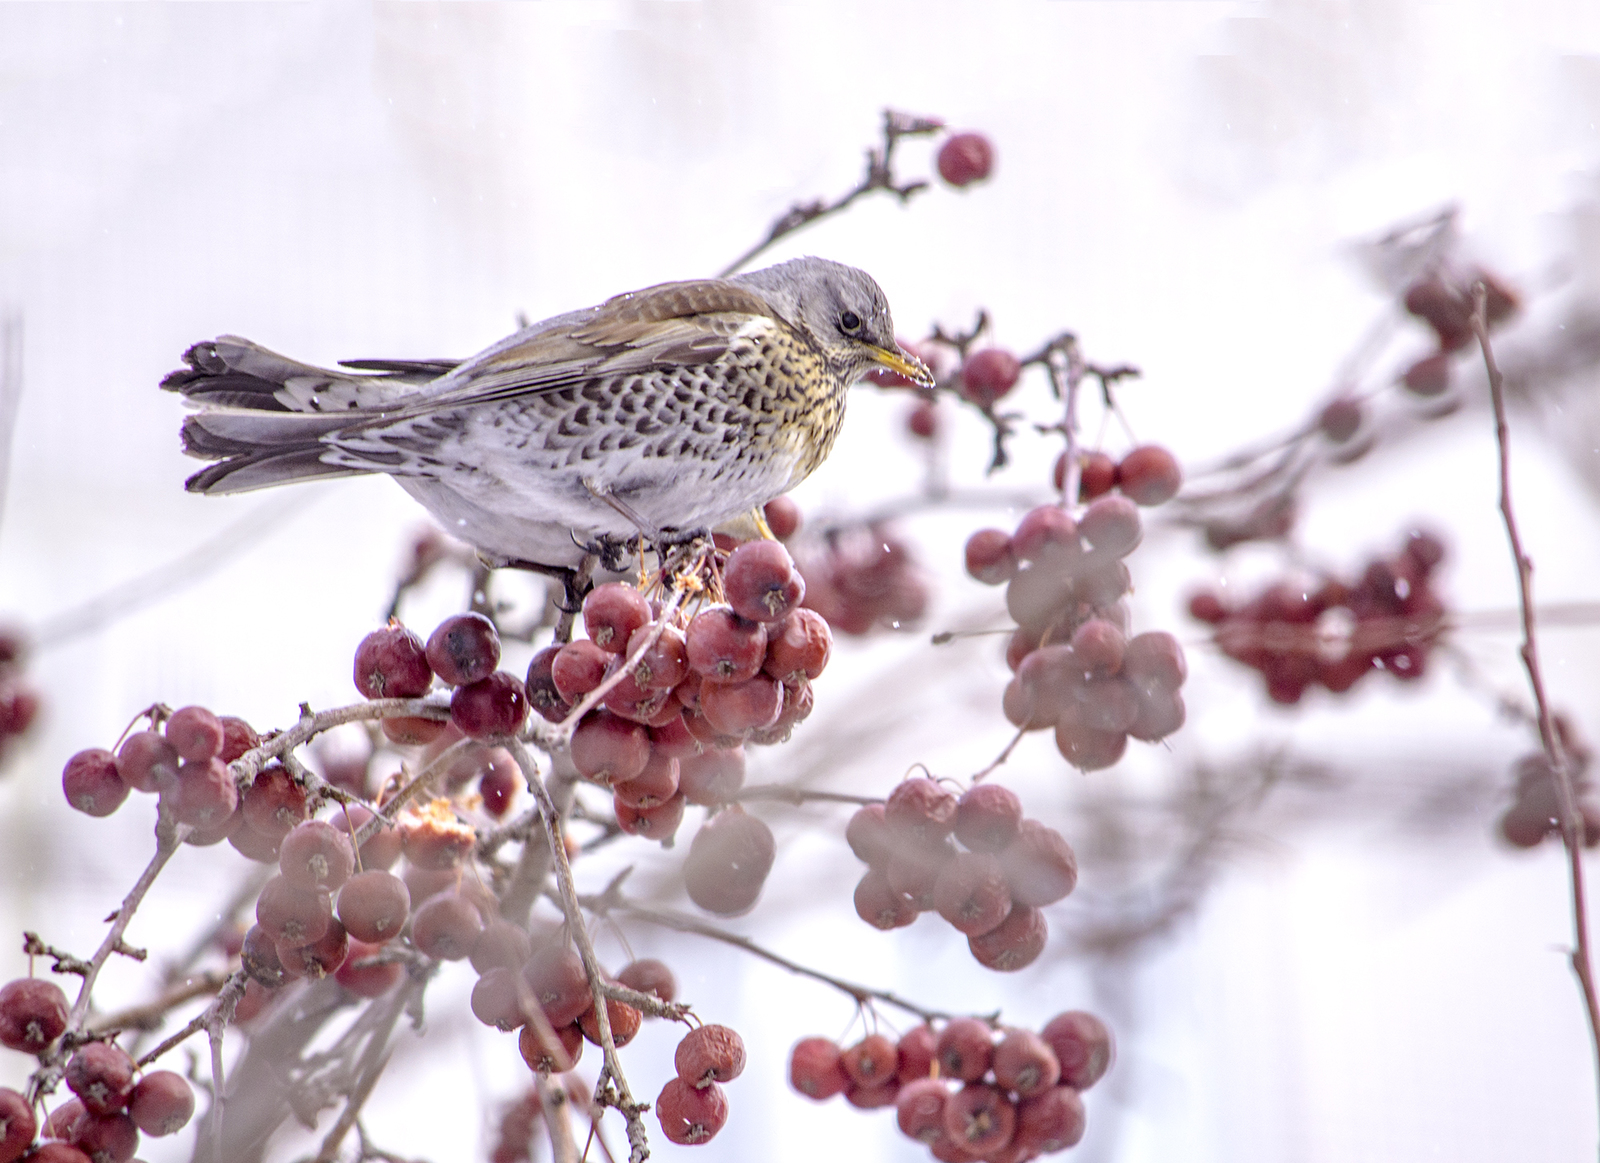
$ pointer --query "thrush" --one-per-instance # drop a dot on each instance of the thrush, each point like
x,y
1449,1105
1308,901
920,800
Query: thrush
x,y
660,412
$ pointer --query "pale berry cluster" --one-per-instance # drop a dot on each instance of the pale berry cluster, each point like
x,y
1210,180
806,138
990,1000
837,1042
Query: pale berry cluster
x,y
19,702
692,1107
1076,670
671,731
1332,635
990,887
114,1102
864,578
968,1091
1535,811
187,765
1146,475
1445,304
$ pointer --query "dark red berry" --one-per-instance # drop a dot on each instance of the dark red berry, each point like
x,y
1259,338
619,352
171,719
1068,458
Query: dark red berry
x,y
543,695
1442,309
18,1125
608,748
577,668
463,648
815,1069
980,1118
734,708
762,582
433,839
392,663
320,958
259,958
689,1115
919,1110
1025,1064
914,869
920,810
664,663
1052,1121
91,782
971,893
728,862
916,1053
365,976
655,823
878,904
724,647
1014,944
965,158
205,794
196,733
611,613
101,1074
63,1121
496,999
1047,535
249,843
490,708
106,1138
798,647
274,803
656,784
1340,419
783,517
923,419
33,1013
379,850
1428,376
316,856
989,375
709,1054
990,558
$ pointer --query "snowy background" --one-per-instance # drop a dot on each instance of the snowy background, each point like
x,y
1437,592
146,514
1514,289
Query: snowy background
x,y
1178,183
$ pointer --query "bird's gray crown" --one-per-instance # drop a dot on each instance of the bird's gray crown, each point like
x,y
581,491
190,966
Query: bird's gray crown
x,y
817,293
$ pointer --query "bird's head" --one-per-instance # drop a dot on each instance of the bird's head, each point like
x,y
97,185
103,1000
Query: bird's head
x,y
845,313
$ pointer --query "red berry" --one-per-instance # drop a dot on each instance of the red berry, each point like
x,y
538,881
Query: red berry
x,y
878,904
490,708
920,810
867,833
965,158
1014,944
762,582
320,958
733,708
798,647
725,647
647,975
1097,476
496,999
919,1110
709,1054
655,823
205,793
980,1118
988,817
1088,749
18,1125
964,1049
33,1013
1039,865
544,1058
274,803
1206,606
91,782
1052,1121
623,1019
815,1069
712,777
608,748
1442,309
463,648
292,916
869,1098
412,730
577,668
914,869
196,733
106,1138
259,957
611,614
664,663
379,850
1428,376
543,695
101,1074
1149,475
63,1121
316,856
501,944
1046,535
989,375
1340,419
392,663
689,1115
971,893
916,1053
1083,1046
1025,1064
783,517
990,557
1111,526
446,927
871,1061
923,419
147,762
556,977
656,784
728,862
368,980
249,843
1154,661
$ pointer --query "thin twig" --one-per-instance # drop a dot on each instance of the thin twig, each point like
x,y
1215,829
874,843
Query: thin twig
x,y
1571,820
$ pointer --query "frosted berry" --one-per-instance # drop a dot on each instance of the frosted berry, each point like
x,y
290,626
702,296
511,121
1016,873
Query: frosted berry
x,y
496,999
1014,944
971,893
316,856
446,927
914,869
611,613
463,648
501,944
989,375
292,916
815,1069
91,782
274,803
964,1049
689,1115
988,817
920,810
965,158
379,850
556,977
147,762
490,708
868,835
101,1074
712,777
33,1014
392,663
728,862
1111,526
1046,535
1039,865
196,733
647,975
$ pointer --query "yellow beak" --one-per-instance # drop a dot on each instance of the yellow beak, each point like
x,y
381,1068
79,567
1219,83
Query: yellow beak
x,y
905,363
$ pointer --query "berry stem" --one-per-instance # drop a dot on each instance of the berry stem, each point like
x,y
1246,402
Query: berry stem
x,y
1571,821
219,1011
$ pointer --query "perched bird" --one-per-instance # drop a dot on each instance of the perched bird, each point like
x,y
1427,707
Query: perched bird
x,y
663,411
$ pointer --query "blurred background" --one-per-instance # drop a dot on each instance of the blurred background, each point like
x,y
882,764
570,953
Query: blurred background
x,y
1352,968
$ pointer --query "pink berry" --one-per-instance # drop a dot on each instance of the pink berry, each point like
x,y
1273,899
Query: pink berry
x,y
91,782
988,375
392,663
990,558
728,862
965,158
815,1069
708,1054
689,1115
988,817
611,614
33,1013
147,762
316,856
196,733
1014,944
374,905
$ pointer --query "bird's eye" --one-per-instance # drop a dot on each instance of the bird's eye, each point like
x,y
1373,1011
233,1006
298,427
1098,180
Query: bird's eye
x,y
849,321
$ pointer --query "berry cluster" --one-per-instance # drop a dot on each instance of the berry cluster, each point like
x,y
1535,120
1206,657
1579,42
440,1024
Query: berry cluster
x,y
990,888
864,578
1333,635
965,1090
1076,670
19,702
113,1104
692,1107
1148,475
1535,811
1445,305
464,652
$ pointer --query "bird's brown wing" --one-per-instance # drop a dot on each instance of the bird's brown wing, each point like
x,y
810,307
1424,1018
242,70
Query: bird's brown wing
x,y
671,325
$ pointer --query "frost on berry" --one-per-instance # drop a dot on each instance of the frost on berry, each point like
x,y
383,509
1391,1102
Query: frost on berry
x,y
691,1115
965,158
971,893
464,648
648,975
622,1017
316,856
1014,944
274,803
1111,527
708,1054
988,817
391,663
292,916
432,838
33,1013
815,1069
91,782
501,944
964,1049
920,810
611,613
101,1074
446,927
196,733
728,862
1083,1046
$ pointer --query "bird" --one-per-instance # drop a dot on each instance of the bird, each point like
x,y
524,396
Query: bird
x,y
661,413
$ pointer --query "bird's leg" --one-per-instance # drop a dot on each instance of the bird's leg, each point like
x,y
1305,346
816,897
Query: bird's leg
x,y
604,494
576,582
